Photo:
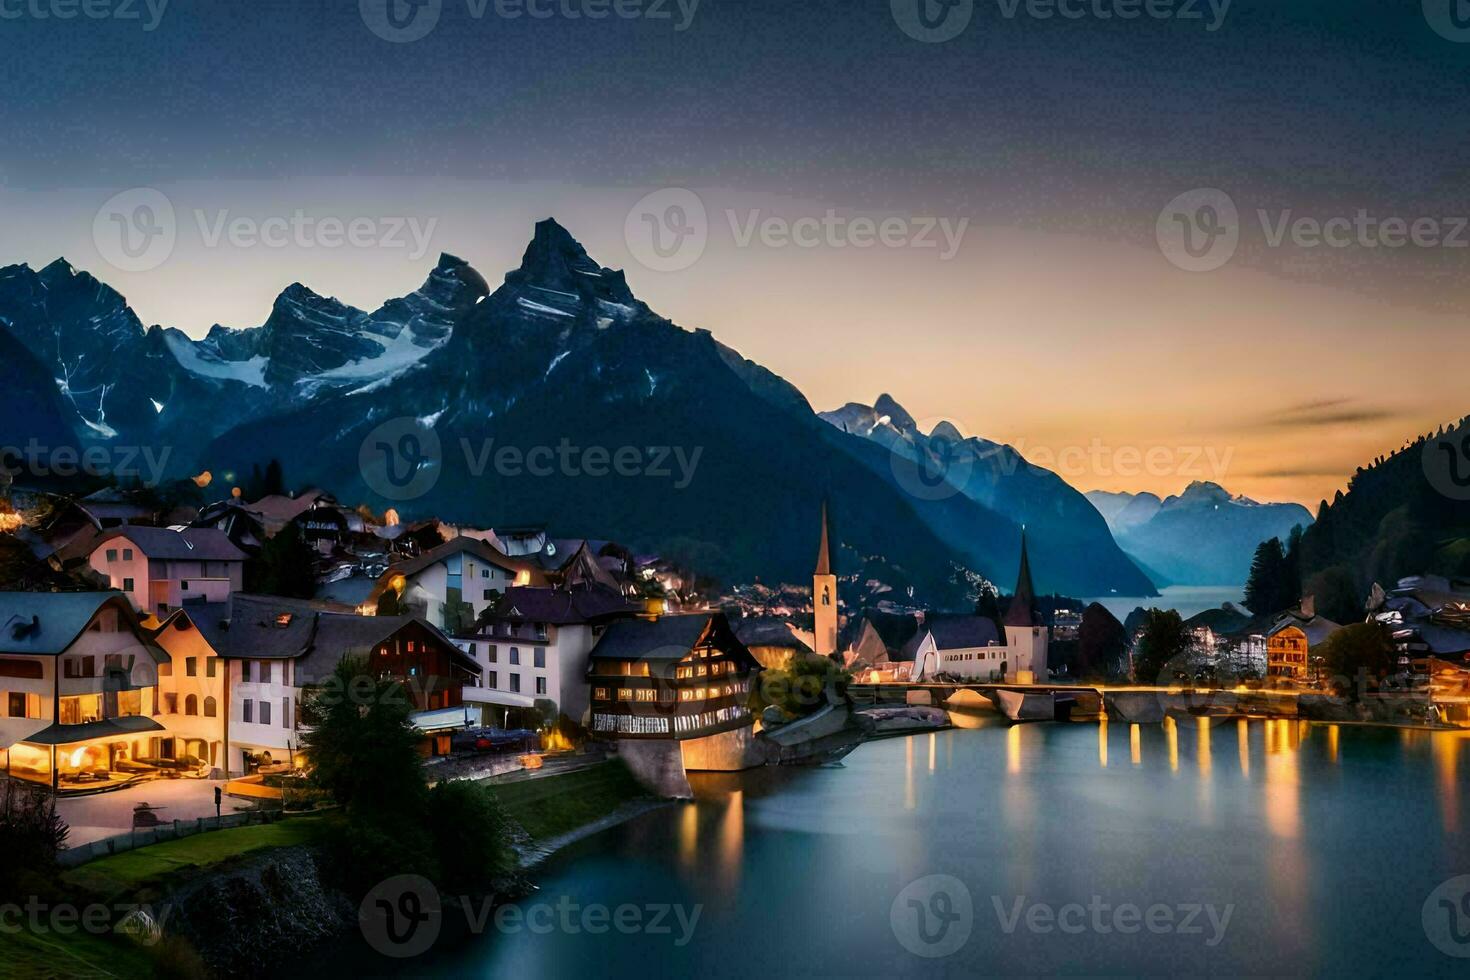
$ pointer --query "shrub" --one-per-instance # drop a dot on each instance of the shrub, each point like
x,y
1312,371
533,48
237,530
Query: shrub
x,y
471,835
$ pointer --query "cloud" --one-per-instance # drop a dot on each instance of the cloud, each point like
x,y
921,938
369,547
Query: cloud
x,y
1322,413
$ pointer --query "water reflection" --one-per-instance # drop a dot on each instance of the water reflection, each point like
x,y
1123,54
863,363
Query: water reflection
x,y
1446,751
910,799
1290,842
1171,738
1282,788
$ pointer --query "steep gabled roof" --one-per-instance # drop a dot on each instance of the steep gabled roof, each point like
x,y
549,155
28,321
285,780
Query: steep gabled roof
x,y
961,631
1316,628
1022,611
45,624
559,607
464,544
824,547
190,544
259,627
668,638
770,631
345,634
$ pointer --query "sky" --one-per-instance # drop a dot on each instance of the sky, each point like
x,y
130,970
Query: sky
x,y
1143,243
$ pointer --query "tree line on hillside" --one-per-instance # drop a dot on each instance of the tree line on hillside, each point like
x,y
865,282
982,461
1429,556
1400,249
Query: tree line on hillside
x,y
1402,515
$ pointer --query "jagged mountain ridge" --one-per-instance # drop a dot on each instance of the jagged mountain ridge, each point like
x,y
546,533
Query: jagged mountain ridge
x,y
562,352
1064,529
1203,536
121,381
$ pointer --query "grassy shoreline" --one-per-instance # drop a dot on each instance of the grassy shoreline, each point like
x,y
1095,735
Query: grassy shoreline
x,y
552,811
551,806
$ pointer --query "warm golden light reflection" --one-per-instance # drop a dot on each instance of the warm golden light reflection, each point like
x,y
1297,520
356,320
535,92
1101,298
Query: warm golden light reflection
x,y
732,844
1171,737
689,837
1102,743
1333,731
1135,744
1446,751
1243,739
1013,749
1202,750
1283,780
933,749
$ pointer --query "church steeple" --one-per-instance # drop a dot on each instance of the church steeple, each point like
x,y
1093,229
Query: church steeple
x,y
824,595
824,548
1022,611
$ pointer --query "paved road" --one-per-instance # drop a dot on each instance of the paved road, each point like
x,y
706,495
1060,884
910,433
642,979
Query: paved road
x,y
94,817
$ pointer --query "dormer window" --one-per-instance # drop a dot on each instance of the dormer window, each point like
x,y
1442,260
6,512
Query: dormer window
x,y
284,620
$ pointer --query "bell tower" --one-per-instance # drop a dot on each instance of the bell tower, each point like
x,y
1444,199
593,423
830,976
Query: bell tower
x,y
1026,637
824,595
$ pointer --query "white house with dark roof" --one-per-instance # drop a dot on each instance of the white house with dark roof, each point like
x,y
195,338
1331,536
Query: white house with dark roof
x,y
966,646
237,670
160,569
77,684
971,648
462,572
534,643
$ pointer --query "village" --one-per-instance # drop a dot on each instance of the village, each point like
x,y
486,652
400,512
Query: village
x,y
138,654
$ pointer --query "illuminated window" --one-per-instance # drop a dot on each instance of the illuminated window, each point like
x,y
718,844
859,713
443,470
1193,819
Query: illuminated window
x,y
625,694
599,694
647,694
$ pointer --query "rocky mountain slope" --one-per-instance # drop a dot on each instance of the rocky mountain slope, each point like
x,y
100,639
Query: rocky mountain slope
x,y
1071,546
560,397
1203,536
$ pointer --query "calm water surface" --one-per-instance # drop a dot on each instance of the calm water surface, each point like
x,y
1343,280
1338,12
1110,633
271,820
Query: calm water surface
x,y
1325,840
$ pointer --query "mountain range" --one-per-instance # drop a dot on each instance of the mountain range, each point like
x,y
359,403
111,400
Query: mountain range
x,y
1203,536
727,463
1064,529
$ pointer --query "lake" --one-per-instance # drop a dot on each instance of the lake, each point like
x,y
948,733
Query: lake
x,y
1187,600
1269,847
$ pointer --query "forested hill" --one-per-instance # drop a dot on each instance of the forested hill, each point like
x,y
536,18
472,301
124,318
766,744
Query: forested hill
x,y
1406,514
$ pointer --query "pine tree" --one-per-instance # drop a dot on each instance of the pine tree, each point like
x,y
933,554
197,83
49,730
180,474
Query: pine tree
x,y
1266,584
273,483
